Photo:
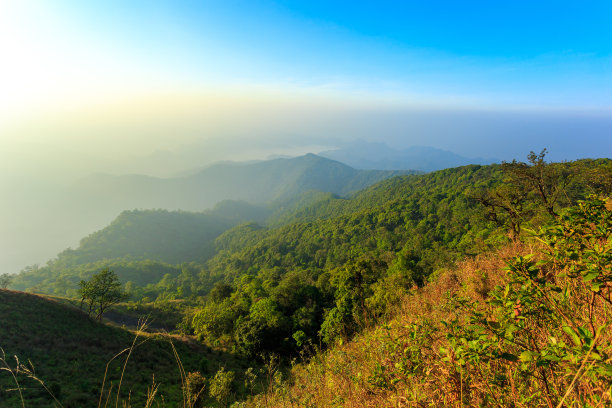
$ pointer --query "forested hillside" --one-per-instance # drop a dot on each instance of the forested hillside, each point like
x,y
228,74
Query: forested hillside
x,y
59,215
525,326
347,260
322,268
144,246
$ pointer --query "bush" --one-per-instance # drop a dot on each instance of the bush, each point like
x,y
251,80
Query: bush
x,y
221,386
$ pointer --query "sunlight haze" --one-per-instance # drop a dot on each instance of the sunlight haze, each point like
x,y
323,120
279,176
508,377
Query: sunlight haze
x,y
162,88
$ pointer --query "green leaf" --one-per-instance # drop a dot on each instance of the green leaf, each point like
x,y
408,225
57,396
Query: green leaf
x,y
570,332
602,328
590,276
508,356
528,356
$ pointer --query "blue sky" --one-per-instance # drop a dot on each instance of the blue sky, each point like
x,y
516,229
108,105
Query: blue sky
x,y
493,53
89,64
519,53
158,87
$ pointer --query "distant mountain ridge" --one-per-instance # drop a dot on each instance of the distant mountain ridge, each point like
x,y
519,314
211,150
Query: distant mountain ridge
x,y
257,183
239,191
366,155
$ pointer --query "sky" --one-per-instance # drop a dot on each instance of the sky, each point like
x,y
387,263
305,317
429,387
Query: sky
x,y
159,87
147,76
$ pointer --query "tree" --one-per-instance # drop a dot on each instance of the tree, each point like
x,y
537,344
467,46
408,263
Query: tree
x,y
5,280
548,181
221,386
354,285
220,292
101,291
528,189
506,206
265,328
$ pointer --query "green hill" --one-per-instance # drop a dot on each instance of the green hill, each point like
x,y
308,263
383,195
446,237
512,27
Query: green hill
x,y
325,268
524,326
159,235
141,246
69,352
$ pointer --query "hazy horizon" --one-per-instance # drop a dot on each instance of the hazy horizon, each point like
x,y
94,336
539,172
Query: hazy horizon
x,y
160,88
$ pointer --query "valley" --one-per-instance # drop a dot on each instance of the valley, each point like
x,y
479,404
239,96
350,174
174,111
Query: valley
x,y
304,274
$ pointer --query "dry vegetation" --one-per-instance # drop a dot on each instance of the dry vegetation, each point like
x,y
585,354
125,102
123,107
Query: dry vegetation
x,y
344,376
527,326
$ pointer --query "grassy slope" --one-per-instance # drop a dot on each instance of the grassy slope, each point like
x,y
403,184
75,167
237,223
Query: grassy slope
x,y
442,347
344,375
70,351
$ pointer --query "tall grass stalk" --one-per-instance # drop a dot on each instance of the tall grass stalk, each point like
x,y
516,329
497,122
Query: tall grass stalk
x,y
182,374
141,327
151,392
13,373
29,372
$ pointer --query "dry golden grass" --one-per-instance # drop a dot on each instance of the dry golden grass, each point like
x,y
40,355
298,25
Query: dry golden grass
x,y
400,364
340,376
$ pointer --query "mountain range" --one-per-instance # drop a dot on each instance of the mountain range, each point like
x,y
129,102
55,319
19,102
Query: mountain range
x,y
60,216
367,155
317,268
256,183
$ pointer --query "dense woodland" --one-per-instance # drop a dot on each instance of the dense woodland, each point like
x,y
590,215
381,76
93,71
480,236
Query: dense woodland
x,y
308,272
527,325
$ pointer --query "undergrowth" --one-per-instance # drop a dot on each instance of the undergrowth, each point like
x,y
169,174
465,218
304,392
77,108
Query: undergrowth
x,y
528,326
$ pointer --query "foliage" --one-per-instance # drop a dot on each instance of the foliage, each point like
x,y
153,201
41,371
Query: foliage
x,y
402,230
536,189
547,323
5,280
195,386
353,284
539,338
221,386
101,291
